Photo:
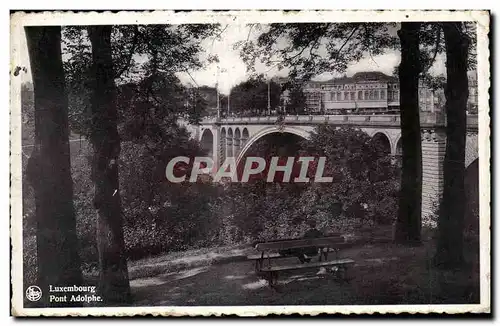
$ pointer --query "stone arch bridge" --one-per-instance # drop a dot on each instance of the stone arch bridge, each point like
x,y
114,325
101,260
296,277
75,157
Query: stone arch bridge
x,y
233,137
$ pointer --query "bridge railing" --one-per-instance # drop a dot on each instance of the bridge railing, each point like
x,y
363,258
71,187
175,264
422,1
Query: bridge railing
x,y
472,120
426,119
344,119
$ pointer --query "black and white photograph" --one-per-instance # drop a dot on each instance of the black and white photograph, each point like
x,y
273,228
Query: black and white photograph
x,y
250,162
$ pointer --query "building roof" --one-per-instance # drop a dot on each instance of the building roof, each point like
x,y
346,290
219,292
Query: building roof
x,y
373,75
360,77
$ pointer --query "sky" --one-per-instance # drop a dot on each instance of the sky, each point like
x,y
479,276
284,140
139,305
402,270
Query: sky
x,y
232,69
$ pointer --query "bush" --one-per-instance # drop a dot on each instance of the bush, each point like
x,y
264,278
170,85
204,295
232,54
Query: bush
x,y
160,217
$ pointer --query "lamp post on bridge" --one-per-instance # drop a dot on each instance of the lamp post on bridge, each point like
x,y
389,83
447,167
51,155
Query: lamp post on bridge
x,y
219,70
228,99
269,96
217,90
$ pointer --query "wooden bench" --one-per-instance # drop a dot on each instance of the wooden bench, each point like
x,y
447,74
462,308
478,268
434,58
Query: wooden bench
x,y
260,258
271,273
269,251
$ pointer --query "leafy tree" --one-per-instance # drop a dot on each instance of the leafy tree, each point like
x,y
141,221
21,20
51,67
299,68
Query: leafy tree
x,y
49,165
451,215
114,283
410,205
143,60
316,48
252,96
147,53
458,41
146,108
196,106
364,190
297,102
313,48
161,216
365,182
209,94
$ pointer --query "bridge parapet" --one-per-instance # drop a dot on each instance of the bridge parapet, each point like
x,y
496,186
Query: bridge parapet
x,y
427,120
354,120
472,121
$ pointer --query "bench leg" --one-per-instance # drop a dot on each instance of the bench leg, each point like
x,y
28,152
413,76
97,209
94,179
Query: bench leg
x,y
346,273
341,273
272,279
258,265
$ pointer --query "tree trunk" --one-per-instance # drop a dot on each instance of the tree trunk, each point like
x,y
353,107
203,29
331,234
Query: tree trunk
x,y
451,218
49,169
114,282
408,224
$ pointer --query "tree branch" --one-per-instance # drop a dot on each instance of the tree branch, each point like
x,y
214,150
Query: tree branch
x,y
218,35
131,52
249,31
346,41
436,49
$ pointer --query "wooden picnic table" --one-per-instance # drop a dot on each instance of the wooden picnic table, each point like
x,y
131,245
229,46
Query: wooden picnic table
x,y
270,251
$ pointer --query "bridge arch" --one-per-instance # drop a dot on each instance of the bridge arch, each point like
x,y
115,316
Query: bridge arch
x,y
244,136
383,134
285,129
207,141
229,143
237,141
245,132
384,141
222,148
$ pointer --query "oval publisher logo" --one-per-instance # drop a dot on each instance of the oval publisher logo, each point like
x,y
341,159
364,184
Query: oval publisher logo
x,y
33,293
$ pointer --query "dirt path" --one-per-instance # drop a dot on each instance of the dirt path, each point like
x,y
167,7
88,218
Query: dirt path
x,y
385,274
235,284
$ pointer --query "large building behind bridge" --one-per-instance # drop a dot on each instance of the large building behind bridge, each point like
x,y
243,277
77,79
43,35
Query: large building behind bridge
x,y
373,92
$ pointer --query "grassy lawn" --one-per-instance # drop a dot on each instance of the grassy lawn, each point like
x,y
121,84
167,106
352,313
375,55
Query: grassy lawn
x,y
382,274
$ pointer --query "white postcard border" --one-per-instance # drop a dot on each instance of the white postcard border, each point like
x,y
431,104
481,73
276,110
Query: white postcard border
x,y
19,20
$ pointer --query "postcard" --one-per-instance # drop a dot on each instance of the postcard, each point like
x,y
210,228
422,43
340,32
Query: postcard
x,y
199,163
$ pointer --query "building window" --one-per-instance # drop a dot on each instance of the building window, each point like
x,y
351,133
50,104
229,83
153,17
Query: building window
x,y
332,96
382,94
339,96
367,95
360,95
396,95
352,96
371,95
376,94
346,96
